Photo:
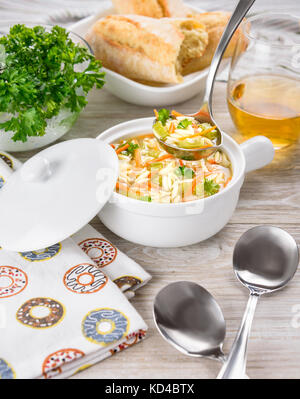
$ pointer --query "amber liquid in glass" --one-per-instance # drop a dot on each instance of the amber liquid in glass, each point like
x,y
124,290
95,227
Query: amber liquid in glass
x,y
267,105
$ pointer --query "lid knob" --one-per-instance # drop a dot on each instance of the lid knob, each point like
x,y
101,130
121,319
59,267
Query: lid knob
x,y
36,169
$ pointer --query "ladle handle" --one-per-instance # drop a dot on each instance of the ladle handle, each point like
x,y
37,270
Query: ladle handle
x,y
236,18
235,366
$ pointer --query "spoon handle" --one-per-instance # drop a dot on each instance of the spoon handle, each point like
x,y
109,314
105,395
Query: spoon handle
x,y
236,18
235,366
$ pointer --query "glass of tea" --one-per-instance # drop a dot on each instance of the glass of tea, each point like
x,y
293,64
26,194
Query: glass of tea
x,y
264,83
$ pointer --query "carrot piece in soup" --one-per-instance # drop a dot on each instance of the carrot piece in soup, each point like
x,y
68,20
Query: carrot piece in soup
x,y
123,148
121,186
162,158
175,113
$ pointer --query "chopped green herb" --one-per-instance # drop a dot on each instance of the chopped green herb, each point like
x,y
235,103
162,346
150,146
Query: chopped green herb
x,y
184,124
210,187
132,147
183,171
163,116
130,150
39,76
146,198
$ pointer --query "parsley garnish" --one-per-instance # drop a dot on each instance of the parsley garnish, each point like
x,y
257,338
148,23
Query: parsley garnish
x,y
39,78
210,187
183,171
132,147
163,116
130,150
184,124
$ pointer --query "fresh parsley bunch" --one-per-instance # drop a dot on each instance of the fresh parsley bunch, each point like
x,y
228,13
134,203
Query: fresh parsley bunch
x,y
40,77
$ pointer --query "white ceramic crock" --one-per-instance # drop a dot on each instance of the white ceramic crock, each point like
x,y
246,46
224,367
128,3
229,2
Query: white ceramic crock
x,y
174,225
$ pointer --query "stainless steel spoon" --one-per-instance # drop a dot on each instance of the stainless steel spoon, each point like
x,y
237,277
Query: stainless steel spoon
x,y
264,260
190,319
205,113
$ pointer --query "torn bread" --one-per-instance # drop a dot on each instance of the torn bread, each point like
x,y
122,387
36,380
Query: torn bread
x,y
147,49
151,8
215,23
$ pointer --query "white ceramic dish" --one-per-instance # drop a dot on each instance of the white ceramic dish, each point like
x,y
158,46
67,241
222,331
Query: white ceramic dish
x,y
141,94
174,225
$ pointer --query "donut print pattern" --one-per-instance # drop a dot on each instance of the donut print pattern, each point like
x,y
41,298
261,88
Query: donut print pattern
x,y
7,160
40,313
128,281
84,367
2,181
105,326
6,371
101,251
44,254
84,279
53,363
12,281
131,339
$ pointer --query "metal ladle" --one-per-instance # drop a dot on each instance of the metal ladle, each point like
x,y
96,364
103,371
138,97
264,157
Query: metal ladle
x,y
264,260
205,113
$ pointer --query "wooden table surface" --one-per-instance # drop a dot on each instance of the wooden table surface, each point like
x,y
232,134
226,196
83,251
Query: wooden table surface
x,y
269,196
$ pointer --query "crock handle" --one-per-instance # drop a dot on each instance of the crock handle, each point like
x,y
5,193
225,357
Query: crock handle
x,y
259,152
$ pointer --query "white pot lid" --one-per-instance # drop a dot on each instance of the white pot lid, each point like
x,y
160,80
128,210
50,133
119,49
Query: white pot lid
x,y
56,193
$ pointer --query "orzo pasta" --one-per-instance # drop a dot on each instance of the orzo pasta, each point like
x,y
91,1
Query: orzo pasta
x,y
149,173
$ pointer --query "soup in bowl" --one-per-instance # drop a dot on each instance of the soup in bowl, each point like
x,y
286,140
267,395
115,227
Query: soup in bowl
x,y
148,173
160,220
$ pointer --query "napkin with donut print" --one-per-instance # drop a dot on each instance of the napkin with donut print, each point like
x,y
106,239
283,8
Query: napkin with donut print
x,y
62,309
123,271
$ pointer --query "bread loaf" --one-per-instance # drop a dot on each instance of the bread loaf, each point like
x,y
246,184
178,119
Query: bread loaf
x,y
151,8
147,49
215,23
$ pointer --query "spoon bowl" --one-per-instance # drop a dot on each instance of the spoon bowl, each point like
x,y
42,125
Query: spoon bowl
x,y
189,318
265,258
193,154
